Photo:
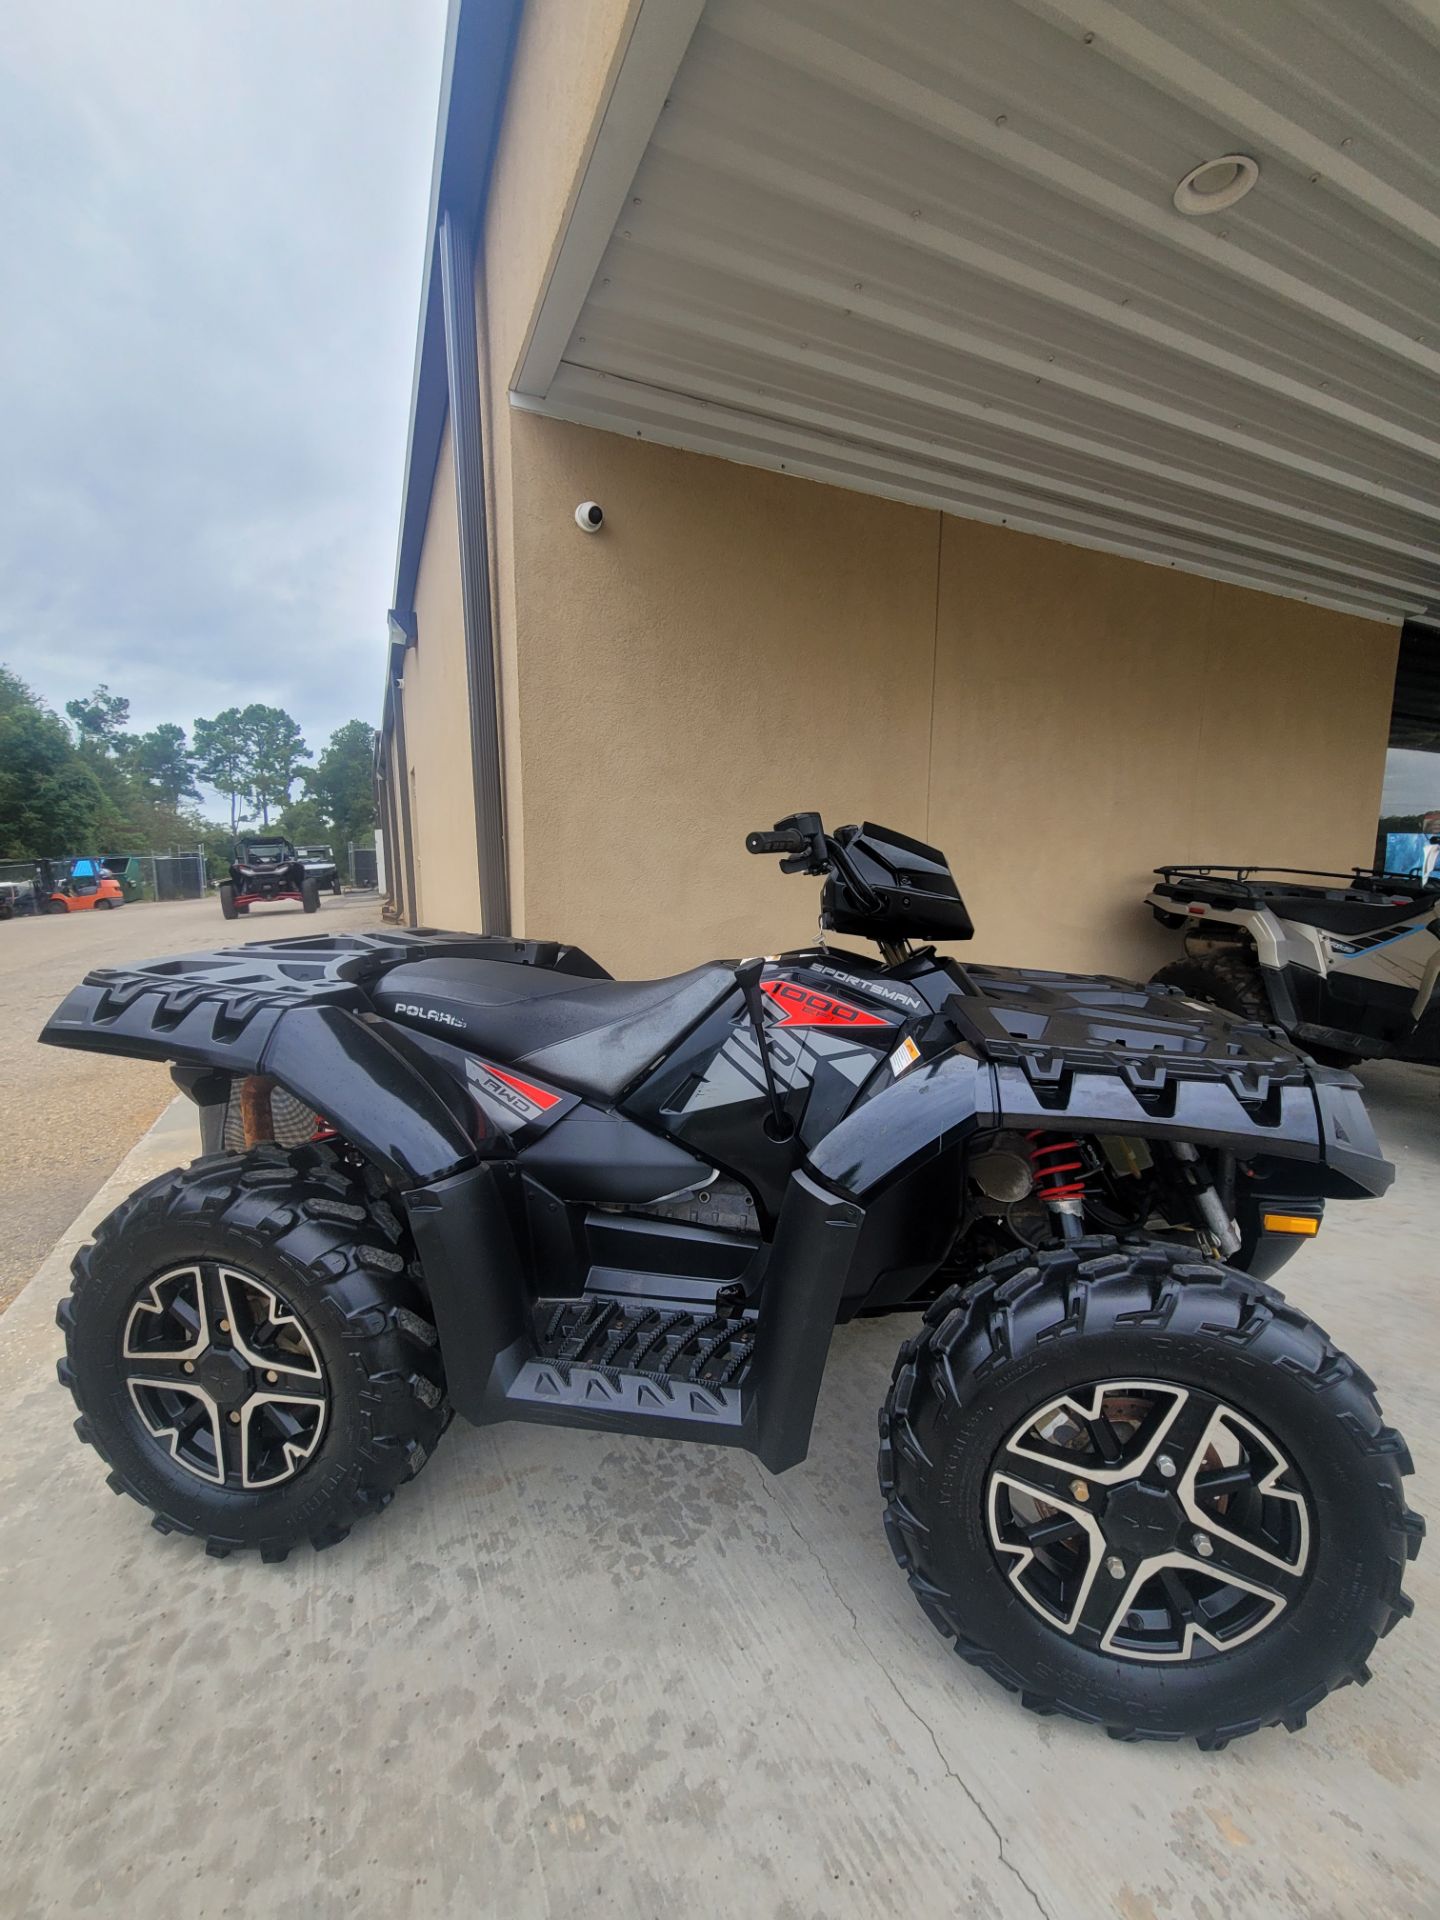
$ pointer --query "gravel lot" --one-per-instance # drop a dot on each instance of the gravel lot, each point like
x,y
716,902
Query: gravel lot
x,y
68,1119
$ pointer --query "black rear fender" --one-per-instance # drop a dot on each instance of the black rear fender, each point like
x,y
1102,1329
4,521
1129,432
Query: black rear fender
x,y
370,1081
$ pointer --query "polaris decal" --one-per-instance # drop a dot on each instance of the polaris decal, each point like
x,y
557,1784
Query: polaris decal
x,y
799,1006
426,1013
510,1101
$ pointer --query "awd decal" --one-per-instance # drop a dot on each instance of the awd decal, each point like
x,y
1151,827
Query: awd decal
x,y
520,1099
800,1006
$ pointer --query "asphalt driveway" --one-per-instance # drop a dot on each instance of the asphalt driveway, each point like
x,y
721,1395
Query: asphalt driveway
x,y
571,1673
66,1119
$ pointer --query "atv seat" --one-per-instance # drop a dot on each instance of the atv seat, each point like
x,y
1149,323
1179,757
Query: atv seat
x,y
1347,919
593,1035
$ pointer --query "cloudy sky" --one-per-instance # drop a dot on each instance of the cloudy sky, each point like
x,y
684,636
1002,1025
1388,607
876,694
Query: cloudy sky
x,y
212,220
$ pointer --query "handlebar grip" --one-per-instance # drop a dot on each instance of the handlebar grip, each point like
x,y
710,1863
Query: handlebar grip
x,y
791,842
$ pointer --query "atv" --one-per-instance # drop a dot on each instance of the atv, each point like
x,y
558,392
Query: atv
x,y
1347,964
266,868
444,1171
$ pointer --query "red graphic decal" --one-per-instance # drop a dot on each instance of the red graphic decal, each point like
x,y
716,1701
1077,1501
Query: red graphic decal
x,y
539,1097
802,1007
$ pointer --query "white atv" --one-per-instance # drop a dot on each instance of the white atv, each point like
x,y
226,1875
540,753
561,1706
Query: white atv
x,y
1347,964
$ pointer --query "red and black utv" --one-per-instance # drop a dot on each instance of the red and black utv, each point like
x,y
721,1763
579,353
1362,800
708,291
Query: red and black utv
x,y
266,868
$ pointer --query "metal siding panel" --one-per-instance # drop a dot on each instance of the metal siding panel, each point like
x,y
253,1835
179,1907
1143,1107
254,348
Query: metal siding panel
x,y
930,252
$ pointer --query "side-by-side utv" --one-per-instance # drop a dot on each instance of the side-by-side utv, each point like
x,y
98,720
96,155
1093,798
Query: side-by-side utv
x,y
1122,1474
267,869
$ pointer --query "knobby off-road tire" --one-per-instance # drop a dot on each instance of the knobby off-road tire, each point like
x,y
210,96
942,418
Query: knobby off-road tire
x,y
1230,981
228,908
310,895
1038,1327
305,1272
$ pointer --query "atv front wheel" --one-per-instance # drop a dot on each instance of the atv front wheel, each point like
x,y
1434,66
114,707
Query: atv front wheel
x,y
249,1350
310,895
1139,1489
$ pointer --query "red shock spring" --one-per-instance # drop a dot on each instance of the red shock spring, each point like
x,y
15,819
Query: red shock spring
x,y
1056,1177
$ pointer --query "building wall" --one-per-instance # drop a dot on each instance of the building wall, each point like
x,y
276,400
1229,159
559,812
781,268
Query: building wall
x,y
437,724
564,65
737,644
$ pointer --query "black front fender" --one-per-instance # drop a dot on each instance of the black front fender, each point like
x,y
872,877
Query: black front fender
x,y
1317,1116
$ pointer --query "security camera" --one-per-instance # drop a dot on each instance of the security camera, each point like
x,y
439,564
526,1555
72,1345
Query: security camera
x,y
589,516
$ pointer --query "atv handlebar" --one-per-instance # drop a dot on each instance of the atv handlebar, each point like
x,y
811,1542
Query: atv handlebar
x,y
788,842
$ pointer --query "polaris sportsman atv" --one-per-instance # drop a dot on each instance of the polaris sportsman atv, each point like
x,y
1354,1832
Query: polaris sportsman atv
x,y
266,868
1347,964
1121,1473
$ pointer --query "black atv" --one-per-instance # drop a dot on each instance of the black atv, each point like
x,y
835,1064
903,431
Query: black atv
x,y
266,869
444,1171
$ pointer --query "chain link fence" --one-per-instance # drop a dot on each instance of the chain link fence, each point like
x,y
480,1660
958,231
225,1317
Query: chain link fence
x,y
144,876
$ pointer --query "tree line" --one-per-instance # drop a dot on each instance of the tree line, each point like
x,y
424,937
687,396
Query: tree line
x,y
95,786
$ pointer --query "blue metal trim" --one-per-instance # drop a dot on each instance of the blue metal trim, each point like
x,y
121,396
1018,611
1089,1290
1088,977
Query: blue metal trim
x,y
479,46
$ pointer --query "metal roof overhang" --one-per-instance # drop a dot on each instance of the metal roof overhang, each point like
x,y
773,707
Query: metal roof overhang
x,y
928,250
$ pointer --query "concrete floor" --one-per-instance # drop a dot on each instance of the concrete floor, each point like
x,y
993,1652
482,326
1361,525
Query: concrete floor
x,y
67,1118
567,1673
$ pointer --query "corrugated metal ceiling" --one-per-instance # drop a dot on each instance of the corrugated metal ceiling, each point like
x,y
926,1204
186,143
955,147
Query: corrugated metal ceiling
x,y
929,250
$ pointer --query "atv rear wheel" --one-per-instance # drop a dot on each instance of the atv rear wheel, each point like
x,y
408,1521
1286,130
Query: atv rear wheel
x,y
228,907
1139,1489
249,1349
1228,980
310,895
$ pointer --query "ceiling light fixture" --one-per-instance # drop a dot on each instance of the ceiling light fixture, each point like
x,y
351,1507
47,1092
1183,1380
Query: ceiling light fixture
x,y
1216,184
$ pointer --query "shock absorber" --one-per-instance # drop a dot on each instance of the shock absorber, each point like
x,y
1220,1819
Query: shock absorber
x,y
1059,1166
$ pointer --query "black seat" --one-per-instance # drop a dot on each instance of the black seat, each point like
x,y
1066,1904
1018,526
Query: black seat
x,y
1346,918
593,1035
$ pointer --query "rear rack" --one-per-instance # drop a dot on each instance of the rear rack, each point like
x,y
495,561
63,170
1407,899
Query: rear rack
x,y
1259,879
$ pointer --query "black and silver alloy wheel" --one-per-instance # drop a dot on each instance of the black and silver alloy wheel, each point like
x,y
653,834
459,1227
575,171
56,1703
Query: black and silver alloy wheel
x,y
224,1376
1148,1520
250,1350
1140,1489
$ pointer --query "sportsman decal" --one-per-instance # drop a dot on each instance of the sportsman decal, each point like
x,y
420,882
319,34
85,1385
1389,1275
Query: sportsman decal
x,y
799,1006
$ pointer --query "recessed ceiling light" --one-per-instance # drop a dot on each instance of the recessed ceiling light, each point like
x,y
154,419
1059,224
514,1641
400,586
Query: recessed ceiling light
x,y
1216,184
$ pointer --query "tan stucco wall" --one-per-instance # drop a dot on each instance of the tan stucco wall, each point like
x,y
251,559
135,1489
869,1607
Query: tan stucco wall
x,y
437,723
736,644
564,65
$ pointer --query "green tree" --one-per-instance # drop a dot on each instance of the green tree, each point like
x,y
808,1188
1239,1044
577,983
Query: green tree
x,y
304,822
275,751
50,801
102,719
343,781
221,757
165,764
